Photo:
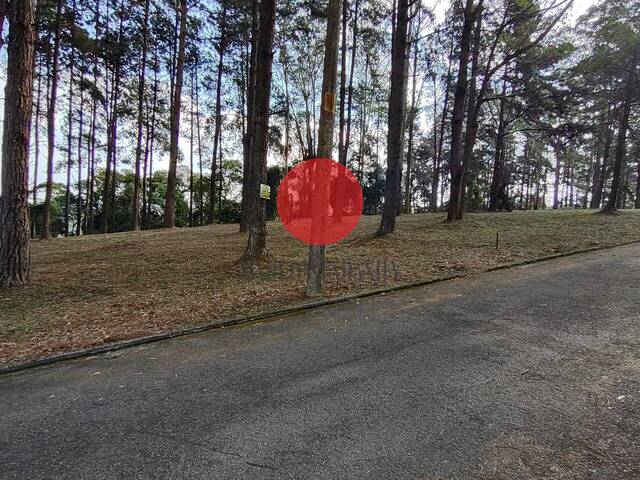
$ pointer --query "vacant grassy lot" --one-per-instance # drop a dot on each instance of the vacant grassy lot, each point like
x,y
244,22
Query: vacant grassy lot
x,y
91,290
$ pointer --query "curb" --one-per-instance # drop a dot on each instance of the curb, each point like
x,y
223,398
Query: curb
x,y
248,319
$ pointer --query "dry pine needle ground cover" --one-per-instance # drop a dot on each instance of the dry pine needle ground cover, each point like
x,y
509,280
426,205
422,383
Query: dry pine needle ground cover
x,y
91,290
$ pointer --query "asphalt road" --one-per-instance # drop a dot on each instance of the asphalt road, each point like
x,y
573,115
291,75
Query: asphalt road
x,y
527,373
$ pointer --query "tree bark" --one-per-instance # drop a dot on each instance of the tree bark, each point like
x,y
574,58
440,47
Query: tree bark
x,y
621,146
135,207
455,161
364,122
67,194
350,90
474,103
170,202
91,170
220,173
437,167
413,113
91,141
403,131
199,135
191,148
36,142
497,196
110,177
151,134
51,124
557,148
15,254
257,239
343,83
316,263
397,120
218,120
250,134
600,170
109,101
79,166
526,174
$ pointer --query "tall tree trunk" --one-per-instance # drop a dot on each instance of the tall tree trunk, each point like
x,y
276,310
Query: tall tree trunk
x,y
200,186
572,171
316,263
364,122
343,82
605,171
408,184
595,181
220,174
497,196
538,176
170,203
114,161
621,146
80,145
403,132
218,120
51,124
437,167
557,148
145,165
455,161
109,113
622,197
600,171
343,147
474,102
91,169
397,120
435,174
257,239
152,135
15,255
191,148
36,142
91,141
350,89
311,150
135,207
67,195
173,64
593,163
249,137
110,180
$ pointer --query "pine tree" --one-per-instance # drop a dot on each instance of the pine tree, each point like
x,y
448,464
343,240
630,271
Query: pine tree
x,y
14,211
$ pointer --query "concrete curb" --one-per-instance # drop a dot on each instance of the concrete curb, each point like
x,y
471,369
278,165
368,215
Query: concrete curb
x,y
247,319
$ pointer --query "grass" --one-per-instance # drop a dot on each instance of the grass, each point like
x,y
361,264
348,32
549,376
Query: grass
x,y
92,290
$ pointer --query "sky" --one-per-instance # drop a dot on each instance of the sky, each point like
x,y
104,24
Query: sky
x,y
439,6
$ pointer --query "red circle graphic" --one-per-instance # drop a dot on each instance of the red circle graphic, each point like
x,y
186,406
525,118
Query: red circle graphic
x,y
320,202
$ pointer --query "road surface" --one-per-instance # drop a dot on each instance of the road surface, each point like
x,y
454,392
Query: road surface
x,y
526,373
